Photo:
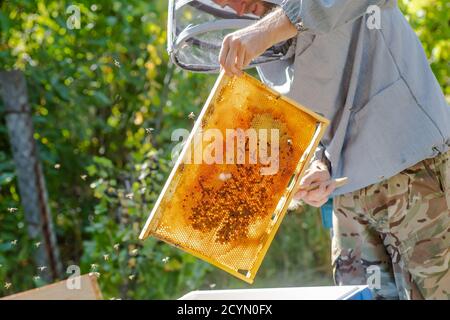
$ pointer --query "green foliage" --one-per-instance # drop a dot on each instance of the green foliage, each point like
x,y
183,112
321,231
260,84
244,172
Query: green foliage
x,y
93,93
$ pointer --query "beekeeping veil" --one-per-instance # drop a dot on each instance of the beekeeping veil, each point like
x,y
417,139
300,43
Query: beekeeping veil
x,y
196,29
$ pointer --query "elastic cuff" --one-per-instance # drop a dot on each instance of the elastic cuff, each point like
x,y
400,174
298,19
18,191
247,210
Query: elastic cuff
x,y
319,154
292,10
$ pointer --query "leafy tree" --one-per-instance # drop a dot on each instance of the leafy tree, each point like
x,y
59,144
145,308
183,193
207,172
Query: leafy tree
x,y
105,99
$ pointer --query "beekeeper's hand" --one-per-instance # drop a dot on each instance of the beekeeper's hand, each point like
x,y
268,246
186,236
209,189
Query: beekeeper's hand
x,y
241,47
317,173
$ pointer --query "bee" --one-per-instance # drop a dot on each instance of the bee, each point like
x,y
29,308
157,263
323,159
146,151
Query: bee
x,y
224,176
129,196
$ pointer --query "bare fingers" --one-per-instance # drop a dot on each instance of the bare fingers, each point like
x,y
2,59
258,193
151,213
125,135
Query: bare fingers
x,y
317,197
232,56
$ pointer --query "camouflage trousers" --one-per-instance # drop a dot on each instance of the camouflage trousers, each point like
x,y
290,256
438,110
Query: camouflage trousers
x,y
395,235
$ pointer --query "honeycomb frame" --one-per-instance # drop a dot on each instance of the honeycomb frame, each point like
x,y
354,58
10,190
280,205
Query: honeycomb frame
x,y
186,214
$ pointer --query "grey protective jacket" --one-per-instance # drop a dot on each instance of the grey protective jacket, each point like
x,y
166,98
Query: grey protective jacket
x,y
386,107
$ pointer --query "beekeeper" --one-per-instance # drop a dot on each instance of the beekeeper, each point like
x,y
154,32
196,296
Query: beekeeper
x,y
361,65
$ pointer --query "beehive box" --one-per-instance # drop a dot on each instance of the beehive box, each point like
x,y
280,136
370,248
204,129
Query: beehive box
x,y
227,193
88,289
292,293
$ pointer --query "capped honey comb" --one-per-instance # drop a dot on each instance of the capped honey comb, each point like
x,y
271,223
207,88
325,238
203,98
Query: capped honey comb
x,y
226,210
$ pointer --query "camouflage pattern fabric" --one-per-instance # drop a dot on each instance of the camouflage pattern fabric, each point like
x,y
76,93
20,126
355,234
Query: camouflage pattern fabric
x,y
395,235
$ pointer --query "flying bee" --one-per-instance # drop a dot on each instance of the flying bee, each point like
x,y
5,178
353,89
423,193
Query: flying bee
x,y
129,196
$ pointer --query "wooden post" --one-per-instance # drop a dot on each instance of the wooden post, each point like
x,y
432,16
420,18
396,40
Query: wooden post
x,y
31,181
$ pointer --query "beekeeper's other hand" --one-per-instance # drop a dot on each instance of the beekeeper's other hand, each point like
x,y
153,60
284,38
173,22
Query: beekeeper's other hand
x,y
241,47
317,173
